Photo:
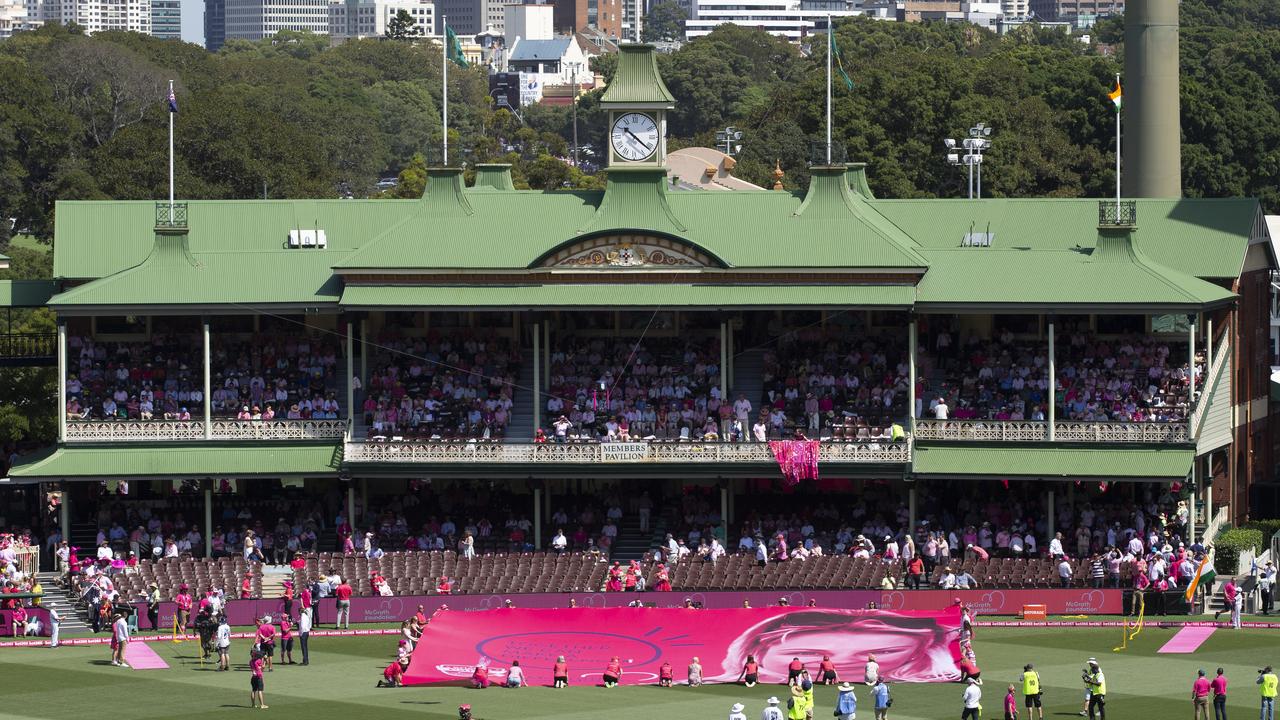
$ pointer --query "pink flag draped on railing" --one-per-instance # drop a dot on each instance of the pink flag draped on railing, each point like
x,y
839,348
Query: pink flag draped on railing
x,y
798,459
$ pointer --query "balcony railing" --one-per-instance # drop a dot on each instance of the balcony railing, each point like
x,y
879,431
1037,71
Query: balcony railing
x,y
171,216
1038,431
28,346
153,430
612,453
1117,214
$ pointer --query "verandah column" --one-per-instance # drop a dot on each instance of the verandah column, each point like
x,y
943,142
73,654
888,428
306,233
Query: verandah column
x,y
537,513
537,378
64,512
62,383
911,506
1191,364
208,515
724,370
1050,516
912,341
208,401
1053,383
351,387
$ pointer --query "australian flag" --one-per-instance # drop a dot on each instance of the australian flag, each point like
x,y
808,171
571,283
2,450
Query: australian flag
x,y
173,102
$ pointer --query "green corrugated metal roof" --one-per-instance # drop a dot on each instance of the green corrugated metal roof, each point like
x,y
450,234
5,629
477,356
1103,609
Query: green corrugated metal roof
x,y
744,229
1041,254
1205,238
172,276
1061,278
681,295
167,460
637,79
1057,462
26,293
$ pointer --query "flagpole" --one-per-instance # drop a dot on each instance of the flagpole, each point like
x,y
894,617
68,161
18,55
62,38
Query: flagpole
x,y
829,48
444,74
1118,154
171,114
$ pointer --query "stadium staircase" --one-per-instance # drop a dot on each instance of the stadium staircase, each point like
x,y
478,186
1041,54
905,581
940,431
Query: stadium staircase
x,y
748,379
632,543
74,618
85,537
273,577
520,426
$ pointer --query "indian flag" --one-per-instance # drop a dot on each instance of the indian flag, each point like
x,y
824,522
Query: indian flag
x,y
1115,95
1205,572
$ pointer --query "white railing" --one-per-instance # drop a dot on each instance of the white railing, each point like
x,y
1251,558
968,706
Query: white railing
x,y
1216,364
1000,430
1122,432
1035,431
154,430
612,453
114,431
278,430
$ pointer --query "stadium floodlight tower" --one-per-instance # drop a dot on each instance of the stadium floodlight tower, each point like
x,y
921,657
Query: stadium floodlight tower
x,y
979,140
730,136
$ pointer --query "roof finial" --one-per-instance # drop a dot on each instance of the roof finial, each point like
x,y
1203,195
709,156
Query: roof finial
x,y
777,174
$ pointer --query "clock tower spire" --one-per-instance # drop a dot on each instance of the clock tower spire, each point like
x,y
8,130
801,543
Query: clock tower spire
x,y
638,102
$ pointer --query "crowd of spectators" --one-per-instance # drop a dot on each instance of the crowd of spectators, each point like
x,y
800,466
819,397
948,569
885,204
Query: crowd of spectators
x,y
956,525
441,387
1129,378
828,382
656,388
267,378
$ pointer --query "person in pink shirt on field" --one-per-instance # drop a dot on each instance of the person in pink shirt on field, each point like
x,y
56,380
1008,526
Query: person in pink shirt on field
x,y
1219,687
1200,697
256,698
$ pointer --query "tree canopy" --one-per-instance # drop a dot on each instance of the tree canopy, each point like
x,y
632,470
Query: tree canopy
x,y
291,116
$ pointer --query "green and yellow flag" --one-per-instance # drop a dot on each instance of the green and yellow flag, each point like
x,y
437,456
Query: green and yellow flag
x,y
453,48
834,49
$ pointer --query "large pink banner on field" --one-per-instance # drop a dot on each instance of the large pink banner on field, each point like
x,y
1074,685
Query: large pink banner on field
x,y
910,646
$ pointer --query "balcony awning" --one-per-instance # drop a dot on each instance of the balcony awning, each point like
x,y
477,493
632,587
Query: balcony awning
x,y
26,293
1052,463
641,295
175,460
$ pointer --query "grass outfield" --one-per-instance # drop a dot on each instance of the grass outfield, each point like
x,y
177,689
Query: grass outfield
x,y
79,682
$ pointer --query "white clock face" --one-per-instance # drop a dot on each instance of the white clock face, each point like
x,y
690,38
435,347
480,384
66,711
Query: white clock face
x,y
634,136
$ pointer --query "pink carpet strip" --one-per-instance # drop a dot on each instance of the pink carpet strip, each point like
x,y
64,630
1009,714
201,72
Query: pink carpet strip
x,y
1187,640
140,656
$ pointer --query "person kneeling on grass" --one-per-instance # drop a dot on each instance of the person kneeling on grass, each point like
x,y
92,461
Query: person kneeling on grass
x,y
560,673
612,672
515,676
480,678
392,676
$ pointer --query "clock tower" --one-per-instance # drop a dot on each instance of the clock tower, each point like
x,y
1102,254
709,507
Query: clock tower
x,y
638,102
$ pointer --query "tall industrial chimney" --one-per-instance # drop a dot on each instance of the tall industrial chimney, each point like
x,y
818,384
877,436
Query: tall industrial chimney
x,y
1152,126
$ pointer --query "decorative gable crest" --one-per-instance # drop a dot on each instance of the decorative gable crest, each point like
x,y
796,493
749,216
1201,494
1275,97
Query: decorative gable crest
x,y
628,251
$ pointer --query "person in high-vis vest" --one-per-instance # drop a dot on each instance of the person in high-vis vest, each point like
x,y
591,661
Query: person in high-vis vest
x,y
1097,683
796,706
1031,692
1267,685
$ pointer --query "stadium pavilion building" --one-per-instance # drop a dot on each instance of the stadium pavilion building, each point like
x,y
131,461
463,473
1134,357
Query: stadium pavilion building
x,y
735,269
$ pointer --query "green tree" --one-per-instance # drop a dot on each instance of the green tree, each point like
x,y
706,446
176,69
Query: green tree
x,y
402,26
664,23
